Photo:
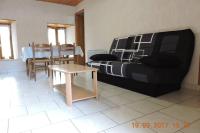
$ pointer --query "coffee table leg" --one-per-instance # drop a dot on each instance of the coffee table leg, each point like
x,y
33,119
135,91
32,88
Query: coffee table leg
x,y
51,79
68,89
95,83
72,78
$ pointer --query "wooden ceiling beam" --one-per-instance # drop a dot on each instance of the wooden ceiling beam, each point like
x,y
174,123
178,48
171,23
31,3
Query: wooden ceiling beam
x,y
65,2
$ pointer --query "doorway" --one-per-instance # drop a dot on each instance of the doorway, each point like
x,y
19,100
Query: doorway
x,y
80,35
6,48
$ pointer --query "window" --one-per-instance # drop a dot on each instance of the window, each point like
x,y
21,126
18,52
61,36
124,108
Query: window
x,y
52,36
6,47
57,35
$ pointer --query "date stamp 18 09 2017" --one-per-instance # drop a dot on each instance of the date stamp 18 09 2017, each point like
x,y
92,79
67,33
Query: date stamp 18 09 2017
x,y
160,125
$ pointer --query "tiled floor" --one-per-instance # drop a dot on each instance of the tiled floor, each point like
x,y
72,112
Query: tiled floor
x,y
32,107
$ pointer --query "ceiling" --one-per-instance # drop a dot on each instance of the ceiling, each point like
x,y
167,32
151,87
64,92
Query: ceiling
x,y
65,2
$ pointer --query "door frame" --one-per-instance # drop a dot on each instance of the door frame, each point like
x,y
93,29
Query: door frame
x,y
80,34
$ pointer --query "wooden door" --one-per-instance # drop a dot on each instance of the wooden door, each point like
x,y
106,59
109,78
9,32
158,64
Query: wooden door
x,y
80,35
199,72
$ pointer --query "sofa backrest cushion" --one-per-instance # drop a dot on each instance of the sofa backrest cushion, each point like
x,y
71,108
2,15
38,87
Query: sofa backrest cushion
x,y
179,43
119,45
143,45
133,47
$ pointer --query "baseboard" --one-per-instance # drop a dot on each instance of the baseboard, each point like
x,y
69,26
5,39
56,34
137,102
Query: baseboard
x,y
191,86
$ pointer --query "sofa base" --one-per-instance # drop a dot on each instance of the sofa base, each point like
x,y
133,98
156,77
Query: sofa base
x,y
153,90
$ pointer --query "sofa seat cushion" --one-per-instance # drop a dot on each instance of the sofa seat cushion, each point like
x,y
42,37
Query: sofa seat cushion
x,y
137,71
115,68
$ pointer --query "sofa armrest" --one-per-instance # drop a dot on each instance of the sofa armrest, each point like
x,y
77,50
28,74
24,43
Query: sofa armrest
x,y
93,52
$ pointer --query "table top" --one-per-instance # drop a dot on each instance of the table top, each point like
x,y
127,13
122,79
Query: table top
x,y
71,68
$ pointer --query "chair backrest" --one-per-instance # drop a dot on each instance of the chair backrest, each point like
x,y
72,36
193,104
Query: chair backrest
x,y
66,47
36,48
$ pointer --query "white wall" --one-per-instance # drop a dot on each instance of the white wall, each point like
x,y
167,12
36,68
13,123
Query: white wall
x,y
70,34
32,18
106,19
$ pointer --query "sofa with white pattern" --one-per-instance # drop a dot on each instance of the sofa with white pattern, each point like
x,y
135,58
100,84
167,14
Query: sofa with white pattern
x,y
158,75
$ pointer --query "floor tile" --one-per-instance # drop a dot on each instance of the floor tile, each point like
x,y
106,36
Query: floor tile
x,y
133,96
182,113
159,101
3,126
61,115
40,107
31,105
160,123
93,123
18,111
4,101
122,114
176,97
193,102
90,106
25,123
128,128
106,101
4,113
26,132
102,132
193,128
64,127
23,101
46,98
112,91
119,100
145,106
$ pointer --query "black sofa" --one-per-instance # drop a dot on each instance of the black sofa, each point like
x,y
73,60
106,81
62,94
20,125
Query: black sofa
x,y
152,64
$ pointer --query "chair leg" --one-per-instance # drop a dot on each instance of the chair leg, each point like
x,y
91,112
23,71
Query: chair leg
x,y
34,71
30,69
45,67
60,77
92,75
27,67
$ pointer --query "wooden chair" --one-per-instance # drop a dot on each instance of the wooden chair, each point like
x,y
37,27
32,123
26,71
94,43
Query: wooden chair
x,y
39,63
63,59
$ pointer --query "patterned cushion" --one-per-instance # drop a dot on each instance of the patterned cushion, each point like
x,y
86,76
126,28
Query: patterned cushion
x,y
143,44
118,47
133,48
114,68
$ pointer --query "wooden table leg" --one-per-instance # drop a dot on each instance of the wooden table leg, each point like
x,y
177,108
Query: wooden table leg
x,y
95,83
51,78
68,89
72,78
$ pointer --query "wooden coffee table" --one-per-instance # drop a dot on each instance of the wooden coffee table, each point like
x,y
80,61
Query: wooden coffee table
x,y
71,91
